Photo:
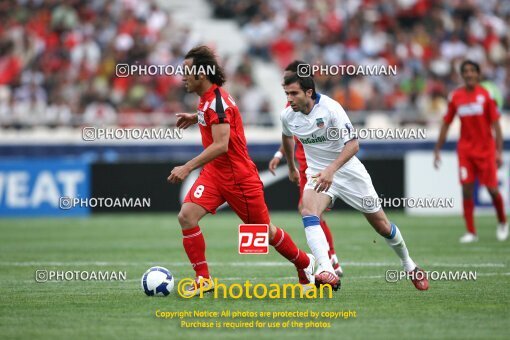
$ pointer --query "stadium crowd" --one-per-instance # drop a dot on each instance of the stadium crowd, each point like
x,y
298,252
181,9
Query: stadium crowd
x,y
426,39
58,62
58,58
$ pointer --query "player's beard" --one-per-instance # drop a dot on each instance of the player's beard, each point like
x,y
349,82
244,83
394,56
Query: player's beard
x,y
297,107
305,108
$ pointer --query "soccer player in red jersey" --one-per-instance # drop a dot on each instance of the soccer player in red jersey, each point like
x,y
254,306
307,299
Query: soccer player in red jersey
x,y
228,174
299,154
478,152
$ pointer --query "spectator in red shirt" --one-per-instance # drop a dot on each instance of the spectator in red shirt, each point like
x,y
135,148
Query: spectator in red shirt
x,y
478,152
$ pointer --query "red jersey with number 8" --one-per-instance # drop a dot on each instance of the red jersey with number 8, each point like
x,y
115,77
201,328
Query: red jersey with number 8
x,y
231,177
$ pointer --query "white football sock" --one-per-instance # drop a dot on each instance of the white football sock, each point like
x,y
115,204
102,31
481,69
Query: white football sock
x,y
317,242
396,241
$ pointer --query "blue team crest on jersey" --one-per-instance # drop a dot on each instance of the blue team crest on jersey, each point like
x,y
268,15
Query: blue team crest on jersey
x,y
320,123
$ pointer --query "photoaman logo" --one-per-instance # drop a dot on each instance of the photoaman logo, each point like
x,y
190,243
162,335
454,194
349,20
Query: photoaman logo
x,y
249,290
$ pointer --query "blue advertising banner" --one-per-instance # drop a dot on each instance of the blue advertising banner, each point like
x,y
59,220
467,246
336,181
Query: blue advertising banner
x,y
39,187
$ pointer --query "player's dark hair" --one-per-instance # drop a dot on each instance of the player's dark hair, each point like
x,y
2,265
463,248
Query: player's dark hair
x,y
204,57
469,62
306,83
293,66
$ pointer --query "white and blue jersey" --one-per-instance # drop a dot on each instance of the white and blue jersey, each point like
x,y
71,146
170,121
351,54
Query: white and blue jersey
x,y
324,132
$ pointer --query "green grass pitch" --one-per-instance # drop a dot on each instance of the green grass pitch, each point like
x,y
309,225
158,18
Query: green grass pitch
x,y
133,243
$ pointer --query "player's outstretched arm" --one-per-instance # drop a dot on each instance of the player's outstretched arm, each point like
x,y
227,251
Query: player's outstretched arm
x,y
325,177
440,142
499,142
185,120
288,148
219,146
273,163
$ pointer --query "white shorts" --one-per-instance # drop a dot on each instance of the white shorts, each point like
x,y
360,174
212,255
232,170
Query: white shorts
x,y
352,185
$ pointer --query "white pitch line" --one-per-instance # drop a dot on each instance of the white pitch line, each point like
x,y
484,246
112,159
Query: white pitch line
x,y
347,277
492,274
290,279
234,264
467,265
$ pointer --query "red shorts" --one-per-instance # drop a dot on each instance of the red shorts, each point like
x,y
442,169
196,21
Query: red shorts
x,y
483,168
246,198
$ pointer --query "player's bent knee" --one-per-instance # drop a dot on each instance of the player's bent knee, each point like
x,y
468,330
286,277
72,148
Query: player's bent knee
x,y
183,219
186,219
190,215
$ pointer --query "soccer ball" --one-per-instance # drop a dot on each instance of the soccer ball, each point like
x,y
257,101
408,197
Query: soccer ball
x,y
157,281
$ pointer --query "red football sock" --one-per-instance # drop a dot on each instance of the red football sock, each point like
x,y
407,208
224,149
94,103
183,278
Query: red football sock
x,y
194,245
500,208
469,207
283,244
329,237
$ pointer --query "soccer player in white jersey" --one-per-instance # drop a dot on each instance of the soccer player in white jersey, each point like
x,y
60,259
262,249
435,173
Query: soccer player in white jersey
x,y
334,171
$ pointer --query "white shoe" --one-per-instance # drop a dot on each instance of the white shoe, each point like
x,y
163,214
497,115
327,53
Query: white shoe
x,y
502,232
336,266
468,238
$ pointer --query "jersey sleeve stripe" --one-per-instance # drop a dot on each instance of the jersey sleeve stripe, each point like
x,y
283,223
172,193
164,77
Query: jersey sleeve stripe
x,y
353,138
220,110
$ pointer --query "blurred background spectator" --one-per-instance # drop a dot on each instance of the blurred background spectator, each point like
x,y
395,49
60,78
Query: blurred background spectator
x,y
426,39
58,58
